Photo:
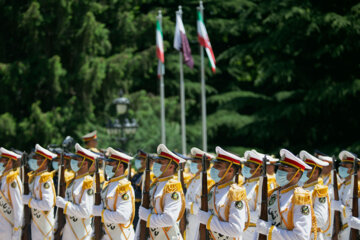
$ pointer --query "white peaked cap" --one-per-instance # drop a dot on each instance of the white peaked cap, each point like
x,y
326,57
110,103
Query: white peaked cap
x,y
312,160
116,155
44,152
197,153
79,150
221,154
288,158
10,154
164,152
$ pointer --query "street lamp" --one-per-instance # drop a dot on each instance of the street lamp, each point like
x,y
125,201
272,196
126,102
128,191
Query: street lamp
x,y
122,128
121,104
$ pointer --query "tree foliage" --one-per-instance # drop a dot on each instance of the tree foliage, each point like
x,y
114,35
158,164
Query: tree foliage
x,y
287,72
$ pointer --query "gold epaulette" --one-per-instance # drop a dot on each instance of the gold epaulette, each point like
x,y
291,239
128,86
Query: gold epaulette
x,y
321,190
210,183
69,176
172,186
301,196
88,182
152,176
123,186
46,176
321,181
101,175
187,178
236,193
11,176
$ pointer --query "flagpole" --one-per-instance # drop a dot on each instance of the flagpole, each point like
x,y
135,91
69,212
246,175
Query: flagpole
x,y
182,96
203,93
162,94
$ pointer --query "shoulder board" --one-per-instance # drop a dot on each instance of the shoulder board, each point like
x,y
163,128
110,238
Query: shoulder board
x,y
46,176
172,186
11,176
321,190
301,196
69,175
270,192
88,182
123,186
236,193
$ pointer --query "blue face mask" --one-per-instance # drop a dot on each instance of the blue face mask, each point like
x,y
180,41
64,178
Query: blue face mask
x,y
109,171
246,172
33,164
303,179
156,169
55,165
194,167
214,174
343,172
137,164
2,168
281,178
74,165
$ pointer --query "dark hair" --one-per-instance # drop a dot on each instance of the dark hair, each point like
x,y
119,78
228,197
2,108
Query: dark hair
x,y
175,166
236,169
124,164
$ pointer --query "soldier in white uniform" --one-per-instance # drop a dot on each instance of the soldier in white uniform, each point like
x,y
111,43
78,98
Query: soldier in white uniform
x,y
193,193
252,171
289,206
327,176
345,192
321,201
228,214
167,201
42,195
79,196
11,212
118,200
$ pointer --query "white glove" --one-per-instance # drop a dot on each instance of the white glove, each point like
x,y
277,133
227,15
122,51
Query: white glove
x,y
188,205
60,202
25,199
97,210
203,216
16,235
144,213
336,205
263,226
354,223
195,208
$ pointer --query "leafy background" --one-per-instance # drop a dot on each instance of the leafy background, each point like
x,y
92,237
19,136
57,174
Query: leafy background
x,y
287,73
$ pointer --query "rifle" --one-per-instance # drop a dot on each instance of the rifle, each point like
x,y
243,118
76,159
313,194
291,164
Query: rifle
x,y
97,220
60,217
144,231
204,235
264,201
337,219
354,233
183,218
27,214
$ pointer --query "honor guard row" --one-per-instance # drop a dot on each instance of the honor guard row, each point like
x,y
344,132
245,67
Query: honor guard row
x,y
305,197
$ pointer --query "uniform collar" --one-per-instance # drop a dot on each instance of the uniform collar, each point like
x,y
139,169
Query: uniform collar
x,y
252,180
310,184
165,178
81,176
288,189
117,178
39,173
225,184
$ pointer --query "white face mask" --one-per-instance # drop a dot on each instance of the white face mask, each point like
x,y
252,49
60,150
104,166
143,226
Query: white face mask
x,y
109,171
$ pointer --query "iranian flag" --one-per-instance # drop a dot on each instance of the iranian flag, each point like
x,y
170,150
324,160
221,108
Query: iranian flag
x,y
160,49
181,42
205,41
